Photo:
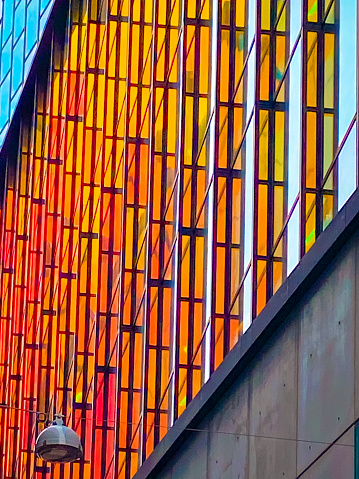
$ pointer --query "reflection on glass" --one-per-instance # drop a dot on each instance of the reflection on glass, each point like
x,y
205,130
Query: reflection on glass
x,y
294,126
347,173
347,63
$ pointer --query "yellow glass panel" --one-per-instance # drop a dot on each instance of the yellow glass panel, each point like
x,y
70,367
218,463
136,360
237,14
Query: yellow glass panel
x,y
265,14
280,59
239,61
148,11
312,68
329,40
160,65
235,271
278,218
226,12
123,63
328,209
162,12
277,275
279,146
312,10
331,14
191,9
135,48
173,61
190,60
182,393
203,104
175,13
240,12
328,145
205,9
263,144
237,135
136,10
310,225
281,25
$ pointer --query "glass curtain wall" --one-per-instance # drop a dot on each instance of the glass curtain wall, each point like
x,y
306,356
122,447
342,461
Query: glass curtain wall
x,y
21,26
175,161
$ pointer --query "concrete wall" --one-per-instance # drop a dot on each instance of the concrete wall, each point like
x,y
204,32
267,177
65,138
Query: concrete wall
x,y
299,393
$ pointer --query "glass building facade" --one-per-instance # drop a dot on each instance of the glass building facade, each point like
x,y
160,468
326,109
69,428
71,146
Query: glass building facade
x,y
175,162
21,26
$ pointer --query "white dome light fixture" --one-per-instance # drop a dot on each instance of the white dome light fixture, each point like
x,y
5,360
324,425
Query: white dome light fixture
x,y
58,443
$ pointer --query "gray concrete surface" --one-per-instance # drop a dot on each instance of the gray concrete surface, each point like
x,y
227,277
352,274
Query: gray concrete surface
x,y
296,396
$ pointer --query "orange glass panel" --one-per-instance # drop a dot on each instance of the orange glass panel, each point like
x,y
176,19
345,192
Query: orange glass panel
x,y
311,159
220,279
262,219
264,68
261,285
221,210
224,77
199,262
263,144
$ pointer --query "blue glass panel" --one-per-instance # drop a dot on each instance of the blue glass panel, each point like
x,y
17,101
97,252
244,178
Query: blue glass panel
x,y
44,5
18,23
347,168
347,64
17,67
45,17
251,82
2,135
248,204
8,19
32,20
4,102
19,19
295,74
295,20
15,100
6,59
293,240
28,61
251,20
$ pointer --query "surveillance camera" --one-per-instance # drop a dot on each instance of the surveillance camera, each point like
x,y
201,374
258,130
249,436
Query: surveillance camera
x,y
58,443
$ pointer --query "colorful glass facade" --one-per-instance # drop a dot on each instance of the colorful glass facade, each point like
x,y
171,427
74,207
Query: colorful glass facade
x,y
21,26
176,160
